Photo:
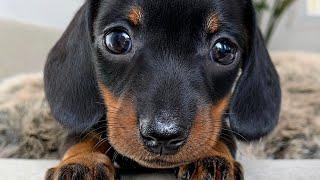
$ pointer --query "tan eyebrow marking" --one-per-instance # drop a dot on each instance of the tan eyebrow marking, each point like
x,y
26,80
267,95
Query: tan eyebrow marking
x,y
135,15
213,23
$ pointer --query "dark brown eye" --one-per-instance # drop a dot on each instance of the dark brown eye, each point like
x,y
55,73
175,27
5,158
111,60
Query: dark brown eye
x,y
118,42
224,51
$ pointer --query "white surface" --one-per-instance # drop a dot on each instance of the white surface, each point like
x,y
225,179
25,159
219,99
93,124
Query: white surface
x,y
282,170
53,13
254,170
24,48
24,169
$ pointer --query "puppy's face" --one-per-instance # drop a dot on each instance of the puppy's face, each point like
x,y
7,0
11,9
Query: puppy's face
x,y
166,70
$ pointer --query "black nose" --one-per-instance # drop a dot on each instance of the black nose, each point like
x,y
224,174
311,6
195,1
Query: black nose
x,y
163,139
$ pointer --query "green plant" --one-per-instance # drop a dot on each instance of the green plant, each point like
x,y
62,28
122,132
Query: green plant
x,y
276,9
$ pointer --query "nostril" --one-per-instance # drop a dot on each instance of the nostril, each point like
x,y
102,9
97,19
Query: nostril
x,y
149,138
176,142
151,141
162,141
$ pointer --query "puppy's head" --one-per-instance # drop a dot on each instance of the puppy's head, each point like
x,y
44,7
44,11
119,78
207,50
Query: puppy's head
x,y
168,73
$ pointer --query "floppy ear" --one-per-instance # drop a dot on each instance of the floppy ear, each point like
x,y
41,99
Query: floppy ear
x,y
69,75
255,107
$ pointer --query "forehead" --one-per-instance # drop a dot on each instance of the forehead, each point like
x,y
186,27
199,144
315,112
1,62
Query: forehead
x,y
166,14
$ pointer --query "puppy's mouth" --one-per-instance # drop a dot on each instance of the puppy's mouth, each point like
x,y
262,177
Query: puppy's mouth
x,y
176,148
163,162
163,154
165,147
152,160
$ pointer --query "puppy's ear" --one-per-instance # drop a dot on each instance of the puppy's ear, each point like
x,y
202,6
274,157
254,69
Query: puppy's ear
x,y
256,103
69,75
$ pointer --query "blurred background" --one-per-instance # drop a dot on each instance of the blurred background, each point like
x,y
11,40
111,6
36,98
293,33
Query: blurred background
x,y
29,29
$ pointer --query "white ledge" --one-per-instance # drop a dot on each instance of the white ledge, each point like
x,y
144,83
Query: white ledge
x,y
11,169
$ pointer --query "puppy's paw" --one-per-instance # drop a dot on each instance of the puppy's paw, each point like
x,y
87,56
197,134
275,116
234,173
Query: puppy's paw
x,y
88,166
213,169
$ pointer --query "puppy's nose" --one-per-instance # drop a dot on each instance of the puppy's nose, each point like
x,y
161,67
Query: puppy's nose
x,y
163,138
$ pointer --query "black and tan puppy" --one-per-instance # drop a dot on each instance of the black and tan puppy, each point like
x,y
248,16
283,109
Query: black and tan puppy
x,y
161,84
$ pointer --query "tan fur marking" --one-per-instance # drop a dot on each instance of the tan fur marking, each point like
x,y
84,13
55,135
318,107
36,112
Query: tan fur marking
x,y
124,134
200,172
222,150
122,124
135,15
213,23
91,144
208,122
86,154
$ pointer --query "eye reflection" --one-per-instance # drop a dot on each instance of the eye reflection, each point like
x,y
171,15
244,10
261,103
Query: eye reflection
x,y
224,51
118,42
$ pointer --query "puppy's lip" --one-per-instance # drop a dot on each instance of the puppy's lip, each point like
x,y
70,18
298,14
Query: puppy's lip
x,y
164,158
163,163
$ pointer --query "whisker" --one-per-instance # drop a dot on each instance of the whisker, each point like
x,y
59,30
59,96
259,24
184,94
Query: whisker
x,y
115,156
100,142
108,150
230,130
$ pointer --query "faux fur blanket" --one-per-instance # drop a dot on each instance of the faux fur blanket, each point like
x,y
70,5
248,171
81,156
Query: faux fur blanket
x,y
27,129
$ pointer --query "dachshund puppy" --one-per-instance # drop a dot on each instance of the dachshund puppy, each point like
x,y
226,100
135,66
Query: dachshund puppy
x,y
159,85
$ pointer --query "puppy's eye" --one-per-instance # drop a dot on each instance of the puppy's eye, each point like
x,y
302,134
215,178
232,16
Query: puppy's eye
x,y
224,51
118,42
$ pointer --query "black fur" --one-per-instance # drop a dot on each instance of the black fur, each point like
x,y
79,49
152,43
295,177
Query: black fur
x,y
169,71
256,104
69,76
255,108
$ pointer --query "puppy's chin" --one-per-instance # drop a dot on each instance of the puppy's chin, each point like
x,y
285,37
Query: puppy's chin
x,y
150,160
161,163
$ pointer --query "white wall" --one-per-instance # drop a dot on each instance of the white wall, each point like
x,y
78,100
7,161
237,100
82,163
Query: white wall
x,y
297,31
52,13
